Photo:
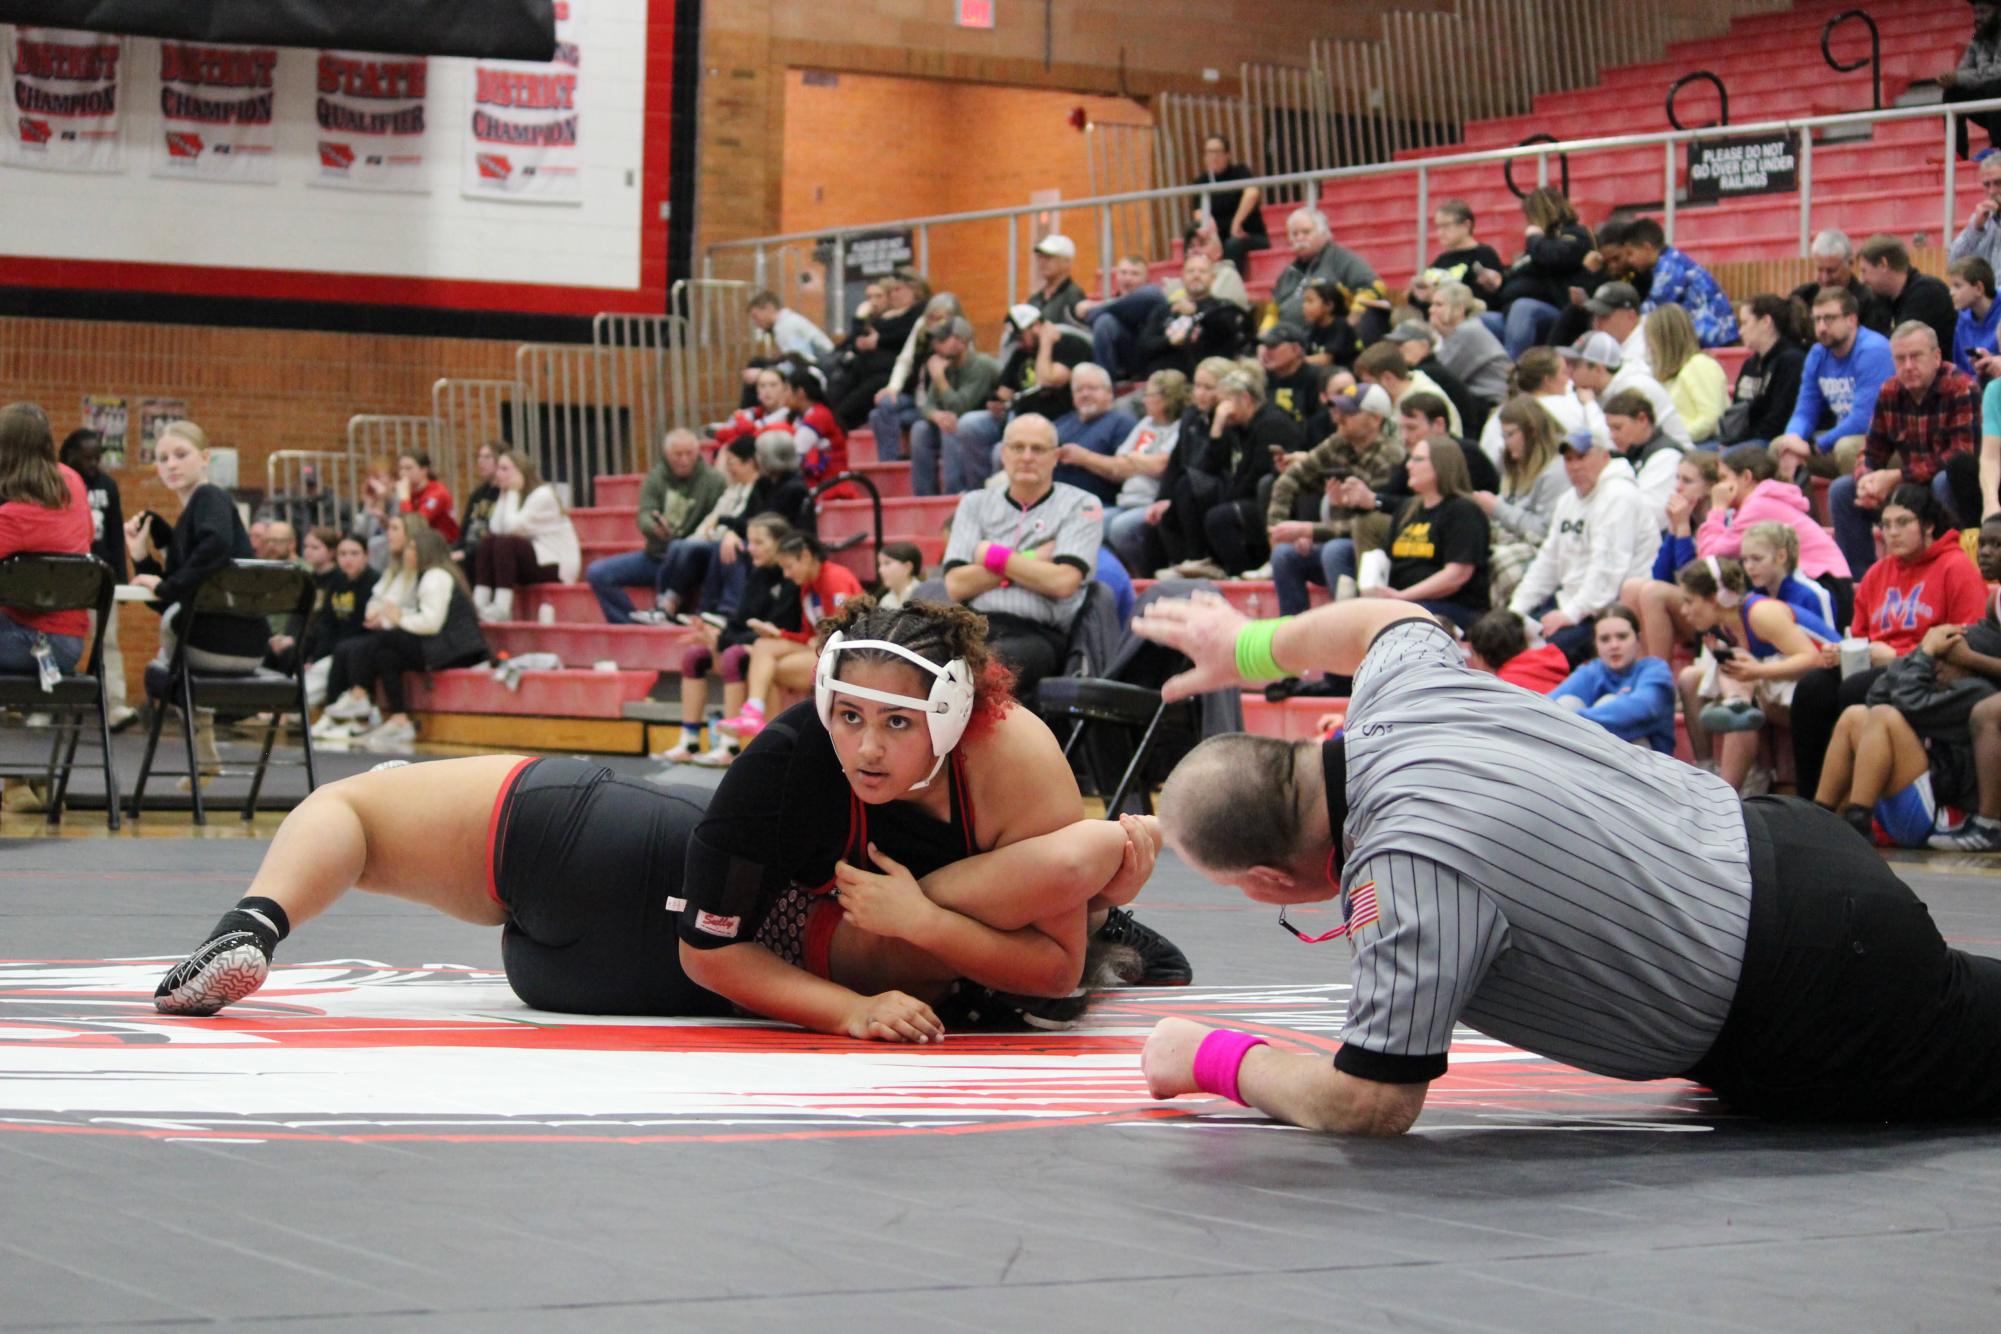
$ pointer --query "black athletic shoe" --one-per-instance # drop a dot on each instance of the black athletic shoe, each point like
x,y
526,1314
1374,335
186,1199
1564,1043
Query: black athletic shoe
x,y
222,971
1161,962
972,1008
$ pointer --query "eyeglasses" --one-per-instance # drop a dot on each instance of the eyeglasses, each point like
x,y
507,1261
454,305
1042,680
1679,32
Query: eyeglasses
x,y
1320,939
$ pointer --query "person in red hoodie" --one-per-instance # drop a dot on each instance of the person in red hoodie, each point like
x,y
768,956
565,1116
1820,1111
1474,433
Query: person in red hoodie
x,y
422,493
823,445
1499,643
771,412
1925,580
42,509
783,659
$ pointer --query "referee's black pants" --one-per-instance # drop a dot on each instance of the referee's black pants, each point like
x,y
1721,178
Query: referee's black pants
x,y
1850,1005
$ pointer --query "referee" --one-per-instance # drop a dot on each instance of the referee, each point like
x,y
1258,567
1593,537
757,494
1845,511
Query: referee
x,y
1505,864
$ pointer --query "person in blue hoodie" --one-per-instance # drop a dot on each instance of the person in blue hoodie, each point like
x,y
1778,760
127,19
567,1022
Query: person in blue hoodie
x,y
1847,368
1971,281
1630,696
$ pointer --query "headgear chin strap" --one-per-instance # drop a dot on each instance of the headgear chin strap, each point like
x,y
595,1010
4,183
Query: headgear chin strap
x,y
947,709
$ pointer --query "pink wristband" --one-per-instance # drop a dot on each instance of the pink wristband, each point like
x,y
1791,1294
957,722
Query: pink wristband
x,y
996,558
1219,1058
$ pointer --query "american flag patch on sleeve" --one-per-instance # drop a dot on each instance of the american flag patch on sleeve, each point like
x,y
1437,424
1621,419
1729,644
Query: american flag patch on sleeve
x,y
1361,906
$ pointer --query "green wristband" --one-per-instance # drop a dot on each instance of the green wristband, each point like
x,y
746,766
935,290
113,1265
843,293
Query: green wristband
x,y
1254,656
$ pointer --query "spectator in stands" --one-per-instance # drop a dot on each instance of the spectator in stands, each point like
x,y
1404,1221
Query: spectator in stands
x,y
478,513
768,599
280,542
1461,258
43,508
1659,601
1141,460
1117,321
1974,336
899,568
1057,297
1990,452
1246,435
1387,364
1768,381
1232,211
1628,693
1977,77
1193,325
677,493
1227,283
1499,643
1981,237
1885,267
530,540
956,378
1928,416
1090,433
778,489
1165,542
418,620
783,659
1600,372
1532,480
1674,279
896,402
1543,376
1978,650
83,452
1035,379
687,561
1763,630
1844,373
1422,416
772,409
1022,556
823,445
1315,542
1418,342
1601,536
1440,538
1316,255
419,491
1466,347
1537,287
345,591
1748,491
1653,457
877,348
1694,380
1330,340
1615,310
1833,257
1924,580
787,340
1291,385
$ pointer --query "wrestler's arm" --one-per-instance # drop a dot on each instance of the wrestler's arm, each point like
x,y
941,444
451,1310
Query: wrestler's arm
x,y
757,979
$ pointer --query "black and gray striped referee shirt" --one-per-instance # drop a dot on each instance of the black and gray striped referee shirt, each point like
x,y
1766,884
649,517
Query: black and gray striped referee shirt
x,y
1532,876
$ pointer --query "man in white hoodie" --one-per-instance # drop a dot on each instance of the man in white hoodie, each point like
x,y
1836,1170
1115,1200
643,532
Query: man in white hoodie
x,y
1655,459
1600,536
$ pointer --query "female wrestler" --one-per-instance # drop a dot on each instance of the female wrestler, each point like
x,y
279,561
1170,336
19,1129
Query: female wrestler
x,y
910,758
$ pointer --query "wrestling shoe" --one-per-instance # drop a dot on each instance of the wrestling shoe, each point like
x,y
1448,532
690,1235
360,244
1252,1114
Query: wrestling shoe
x,y
971,1008
224,970
1732,715
1161,962
1974,835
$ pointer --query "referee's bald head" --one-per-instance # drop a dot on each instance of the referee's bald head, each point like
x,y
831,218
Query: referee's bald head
x,y
1250,811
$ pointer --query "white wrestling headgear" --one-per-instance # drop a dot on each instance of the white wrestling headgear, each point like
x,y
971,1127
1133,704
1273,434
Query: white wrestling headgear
x,y
947,709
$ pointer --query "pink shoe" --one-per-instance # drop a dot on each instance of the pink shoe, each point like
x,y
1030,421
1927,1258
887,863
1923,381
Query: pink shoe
x,y
743,727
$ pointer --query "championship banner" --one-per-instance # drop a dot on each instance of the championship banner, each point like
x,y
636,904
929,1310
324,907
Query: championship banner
x,y
521,143
372,121
216,121
62,100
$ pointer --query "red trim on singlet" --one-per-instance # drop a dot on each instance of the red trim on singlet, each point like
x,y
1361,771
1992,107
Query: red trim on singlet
x,y
816,953
493,830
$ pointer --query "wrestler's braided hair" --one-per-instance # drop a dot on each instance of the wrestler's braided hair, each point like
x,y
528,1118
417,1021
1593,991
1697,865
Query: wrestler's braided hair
x,y
937,631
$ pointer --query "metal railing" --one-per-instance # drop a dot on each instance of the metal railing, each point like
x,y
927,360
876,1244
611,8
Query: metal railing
x,y
639,370
570,425
374,439
1422,172
1722,97
720,339
466,414
1123,158
309,488
1874,60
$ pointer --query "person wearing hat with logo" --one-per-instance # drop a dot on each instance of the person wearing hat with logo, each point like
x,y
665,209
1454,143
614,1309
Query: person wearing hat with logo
x,y
906,827
1599,371
1318,545
1497,862
1291,385
1600,536
1615,310
1058,296
1035,378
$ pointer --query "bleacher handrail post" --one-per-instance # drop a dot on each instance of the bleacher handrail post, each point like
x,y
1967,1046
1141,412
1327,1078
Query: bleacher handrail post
x,y
1875,61
1722,94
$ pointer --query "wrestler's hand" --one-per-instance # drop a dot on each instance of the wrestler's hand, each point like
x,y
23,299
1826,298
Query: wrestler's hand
x,y
1204,627
890,904
894,1017
1168,1061
1143,839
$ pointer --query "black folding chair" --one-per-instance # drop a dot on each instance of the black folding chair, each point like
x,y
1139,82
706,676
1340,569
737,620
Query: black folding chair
x,y
259,588
35,582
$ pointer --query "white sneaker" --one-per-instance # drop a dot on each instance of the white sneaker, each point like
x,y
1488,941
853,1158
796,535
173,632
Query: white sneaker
x,y
330,728
681,754
391,736
1346,588
716,757
1757,783
1201,569
652,618
350,706
39,720
1262,572
122,718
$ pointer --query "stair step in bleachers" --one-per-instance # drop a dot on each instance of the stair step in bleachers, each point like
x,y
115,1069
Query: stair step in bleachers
x,y
637,648
1253,597
573,603
607,523
618,490
859,559
1296,719
902,517
571,693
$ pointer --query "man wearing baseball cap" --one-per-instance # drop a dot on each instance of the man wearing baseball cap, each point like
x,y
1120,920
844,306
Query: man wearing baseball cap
x,y
1312,543
1058,295
1599,536
1599,369
1290,384
1615,309
1035,378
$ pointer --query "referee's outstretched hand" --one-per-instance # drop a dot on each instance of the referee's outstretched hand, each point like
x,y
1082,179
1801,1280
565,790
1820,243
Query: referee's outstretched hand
x,y
1203,627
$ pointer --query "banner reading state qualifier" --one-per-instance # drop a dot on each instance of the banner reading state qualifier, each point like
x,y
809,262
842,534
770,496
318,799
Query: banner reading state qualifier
x,y
62,100
373,121
216,121
521,142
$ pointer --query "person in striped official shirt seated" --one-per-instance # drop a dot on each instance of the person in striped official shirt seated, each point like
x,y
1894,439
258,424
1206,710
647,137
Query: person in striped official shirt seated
x,y
1506,865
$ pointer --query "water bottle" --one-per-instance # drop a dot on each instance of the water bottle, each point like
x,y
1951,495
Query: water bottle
x,y
546,613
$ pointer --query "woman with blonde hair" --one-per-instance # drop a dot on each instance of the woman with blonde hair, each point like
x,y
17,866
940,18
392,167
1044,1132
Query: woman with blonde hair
x,y
1693,379
530,540
1467,347
1532,481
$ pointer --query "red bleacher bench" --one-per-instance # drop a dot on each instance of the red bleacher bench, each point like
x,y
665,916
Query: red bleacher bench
x,y
655,648
1295,719
570,693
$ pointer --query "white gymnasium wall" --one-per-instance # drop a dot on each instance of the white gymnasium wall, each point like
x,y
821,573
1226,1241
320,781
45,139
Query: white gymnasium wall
x,y
133,216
